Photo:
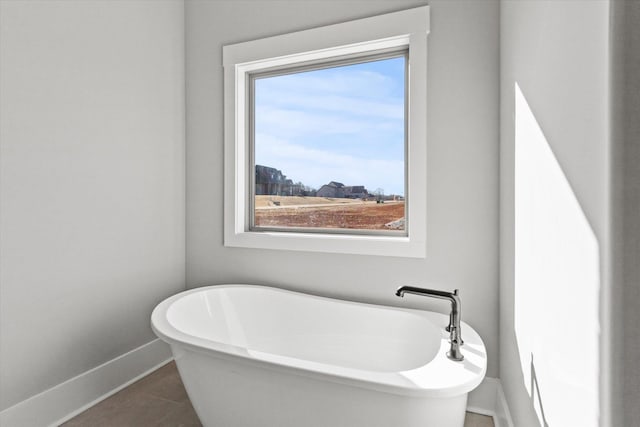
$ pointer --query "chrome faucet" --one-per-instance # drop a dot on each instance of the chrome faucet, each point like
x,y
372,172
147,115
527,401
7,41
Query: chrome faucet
x,y
455,335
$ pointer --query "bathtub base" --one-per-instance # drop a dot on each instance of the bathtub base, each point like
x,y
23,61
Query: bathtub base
x,y
236,393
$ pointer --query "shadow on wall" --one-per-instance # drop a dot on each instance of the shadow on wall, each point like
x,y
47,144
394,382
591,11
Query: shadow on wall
x,y
557,281
536,398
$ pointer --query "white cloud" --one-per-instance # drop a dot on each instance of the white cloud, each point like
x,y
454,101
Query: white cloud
x,y
316,167
390,108
357,83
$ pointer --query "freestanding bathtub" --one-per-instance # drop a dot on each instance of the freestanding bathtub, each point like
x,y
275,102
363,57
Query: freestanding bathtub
x,y
255,356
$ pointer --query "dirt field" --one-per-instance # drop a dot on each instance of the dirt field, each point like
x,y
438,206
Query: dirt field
x,y
271,201
354,214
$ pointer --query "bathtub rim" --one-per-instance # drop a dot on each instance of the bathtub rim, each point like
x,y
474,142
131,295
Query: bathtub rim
x,y
372,380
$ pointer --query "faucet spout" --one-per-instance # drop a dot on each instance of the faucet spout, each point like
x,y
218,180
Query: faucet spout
x,y
454,317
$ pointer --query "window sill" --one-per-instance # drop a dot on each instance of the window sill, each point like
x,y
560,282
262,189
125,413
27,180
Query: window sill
x,y
400,246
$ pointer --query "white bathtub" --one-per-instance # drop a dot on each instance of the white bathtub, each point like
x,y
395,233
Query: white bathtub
x,y
254,356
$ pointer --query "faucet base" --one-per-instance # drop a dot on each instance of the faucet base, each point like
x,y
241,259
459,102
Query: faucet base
x,y
456,356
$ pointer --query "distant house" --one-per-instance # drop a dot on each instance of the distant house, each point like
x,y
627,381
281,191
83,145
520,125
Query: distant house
x,y
332,189
356,192
339,190
271,181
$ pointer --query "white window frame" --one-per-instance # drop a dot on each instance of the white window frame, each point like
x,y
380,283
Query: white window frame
x,y
408,29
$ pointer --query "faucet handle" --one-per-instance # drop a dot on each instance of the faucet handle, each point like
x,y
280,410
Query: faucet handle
x,y
455,334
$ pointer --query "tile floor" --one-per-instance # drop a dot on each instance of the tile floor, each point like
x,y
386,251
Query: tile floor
x,y
160,400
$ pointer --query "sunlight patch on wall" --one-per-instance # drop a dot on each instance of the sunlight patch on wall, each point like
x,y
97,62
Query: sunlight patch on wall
x,y
557,280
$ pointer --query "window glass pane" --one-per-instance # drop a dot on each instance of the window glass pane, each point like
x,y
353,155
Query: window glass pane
x,y
329,148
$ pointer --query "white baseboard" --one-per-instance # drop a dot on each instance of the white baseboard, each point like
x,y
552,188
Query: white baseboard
x,y
488,399
64,401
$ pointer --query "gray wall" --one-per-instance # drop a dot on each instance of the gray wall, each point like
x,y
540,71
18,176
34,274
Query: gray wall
x,y
92,183
557,53
462,175
625,296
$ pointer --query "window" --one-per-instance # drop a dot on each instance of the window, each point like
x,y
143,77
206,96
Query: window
x,y
325,138
329,147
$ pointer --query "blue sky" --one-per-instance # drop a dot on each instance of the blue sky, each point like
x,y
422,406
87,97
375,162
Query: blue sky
x,y
341,124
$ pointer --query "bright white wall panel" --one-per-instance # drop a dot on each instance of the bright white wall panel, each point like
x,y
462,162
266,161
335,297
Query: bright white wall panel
x,y
554,226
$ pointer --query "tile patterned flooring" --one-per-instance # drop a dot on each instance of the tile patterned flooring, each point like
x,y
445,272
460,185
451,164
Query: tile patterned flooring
x,y
160,400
